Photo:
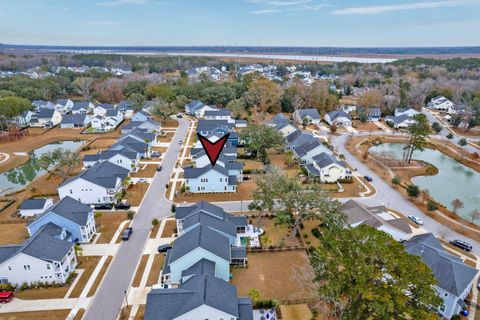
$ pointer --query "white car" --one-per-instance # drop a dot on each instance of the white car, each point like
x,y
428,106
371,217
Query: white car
x,y
415,219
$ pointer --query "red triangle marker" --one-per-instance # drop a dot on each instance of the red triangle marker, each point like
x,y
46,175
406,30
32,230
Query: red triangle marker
x,y
213,149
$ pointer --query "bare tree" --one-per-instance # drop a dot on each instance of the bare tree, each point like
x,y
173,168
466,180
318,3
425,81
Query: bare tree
x,y
457,204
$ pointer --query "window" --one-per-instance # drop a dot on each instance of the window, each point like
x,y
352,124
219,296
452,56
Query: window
x,y
9,268
48,266
71,191
443,308
445,294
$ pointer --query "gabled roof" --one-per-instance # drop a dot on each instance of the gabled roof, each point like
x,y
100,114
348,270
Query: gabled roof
x,y
106,106
202,267
218,113
192,173
183,212
45,113
80,105
201,237
130,143
279,118
74,118
311,113
139,133
324,159
336,114
211,125
452,274
32,204
112,112
62,102
308,146
298,138
195,105
399,119
69,209
104,174
204,219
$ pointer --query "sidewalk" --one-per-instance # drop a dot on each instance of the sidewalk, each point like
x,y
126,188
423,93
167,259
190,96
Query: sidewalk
x,y
18,305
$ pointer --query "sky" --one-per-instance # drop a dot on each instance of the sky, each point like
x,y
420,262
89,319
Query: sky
x,y
342,23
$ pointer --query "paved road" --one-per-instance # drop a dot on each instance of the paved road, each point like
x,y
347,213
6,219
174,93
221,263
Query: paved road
x,y
108,301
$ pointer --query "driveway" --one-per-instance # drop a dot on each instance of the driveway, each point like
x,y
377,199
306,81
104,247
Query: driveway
x,y
108,301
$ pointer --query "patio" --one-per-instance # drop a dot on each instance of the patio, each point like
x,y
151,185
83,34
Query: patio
x,y
263,314
251,232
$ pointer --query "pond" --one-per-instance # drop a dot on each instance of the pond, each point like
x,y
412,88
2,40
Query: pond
x,y
453,181
17,178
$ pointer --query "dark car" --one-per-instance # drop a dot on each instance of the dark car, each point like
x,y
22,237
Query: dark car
x,y
461,244
368,178
159,168
179,116
164,248
155,154
127,233
104,206
122,206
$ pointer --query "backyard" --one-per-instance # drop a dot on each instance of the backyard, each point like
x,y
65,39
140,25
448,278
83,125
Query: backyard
x,y
108,223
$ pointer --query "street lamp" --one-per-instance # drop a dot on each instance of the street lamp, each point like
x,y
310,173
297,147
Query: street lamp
x,y
126,299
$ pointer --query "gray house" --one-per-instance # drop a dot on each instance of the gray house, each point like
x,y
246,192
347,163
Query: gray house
x,y
455,278
308,115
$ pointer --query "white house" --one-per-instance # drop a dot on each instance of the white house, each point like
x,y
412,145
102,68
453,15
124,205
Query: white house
x,y
75,121
441,103
339,118
33,207
125,158
307,151
327,169
406,111
308,115
64,106
198,109
82,107
220,114
48,256
45,118
286,128
96,185
209,179
401,122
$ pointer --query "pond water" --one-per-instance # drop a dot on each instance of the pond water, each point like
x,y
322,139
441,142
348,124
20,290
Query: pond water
x,y
453,181
17,178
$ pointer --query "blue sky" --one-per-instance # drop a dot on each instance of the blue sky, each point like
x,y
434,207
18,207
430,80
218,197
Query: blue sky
x,y
241,22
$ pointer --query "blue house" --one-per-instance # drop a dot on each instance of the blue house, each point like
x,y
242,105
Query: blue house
x,y
75,217
141,116
210,179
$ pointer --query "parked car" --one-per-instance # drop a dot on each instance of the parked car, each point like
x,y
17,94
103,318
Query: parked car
x,y
159,168
6,296
164,248
180,142
155,154
143,180
179,115
461,244
416,219
103,206
368,178
122,206
127,233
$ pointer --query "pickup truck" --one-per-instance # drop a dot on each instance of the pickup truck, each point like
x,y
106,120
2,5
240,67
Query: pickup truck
x,y
126,234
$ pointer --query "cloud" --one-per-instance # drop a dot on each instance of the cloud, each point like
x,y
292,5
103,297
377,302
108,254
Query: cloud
x,y
119,2
100,23
265,11
273,6
401,7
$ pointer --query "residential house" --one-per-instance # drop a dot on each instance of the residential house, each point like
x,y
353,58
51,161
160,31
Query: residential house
x,y
75,121
149,125
101,109
208,179
73,216
45,118
307,151
198,109
64,106
371,114
220,114
42,104
98,184
410,112
47,257
442,104
239,123
132,144
278,119
377,217
33,207
401,122
455,278
297,138
348,108
125,158
107,122
23,120
141,116
328,169
286,128
338,118
82,107
308,116
220,127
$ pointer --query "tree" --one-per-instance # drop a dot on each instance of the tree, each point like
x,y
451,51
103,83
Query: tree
x,y
474,215
237,107
155,222
137,100
462,142
163,109
333,128
413,191
264,95
65,162
419,132
260,138
456,204
365,274
83,85
396,180
254,294
450,136
437,127
11,107
161,91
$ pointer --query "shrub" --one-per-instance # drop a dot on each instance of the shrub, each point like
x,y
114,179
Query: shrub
x,y
450,136
413,191
462,142
155,222
437,127
396,180
130,214
265,304
6,287
173,208
316,233
432,205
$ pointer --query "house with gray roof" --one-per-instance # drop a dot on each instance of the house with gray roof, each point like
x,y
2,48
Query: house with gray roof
x,y
42,104
45,118
82,107
297,138
338,118
48,256
408,111
402,121
72,215
198,109
75,121
33,207
377,217
96,185
131,144
209,179
371,114
279,118
147,125
305,152
455,278
327,168
302,116
125,158
141,116
64,106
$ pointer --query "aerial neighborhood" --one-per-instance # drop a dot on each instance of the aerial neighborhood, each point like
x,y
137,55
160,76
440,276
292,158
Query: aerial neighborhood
x,y
333,190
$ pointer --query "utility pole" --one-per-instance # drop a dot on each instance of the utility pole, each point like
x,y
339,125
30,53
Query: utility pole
x,y
126,299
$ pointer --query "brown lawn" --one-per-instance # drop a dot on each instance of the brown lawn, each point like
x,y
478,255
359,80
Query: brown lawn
x,y
310,239
13,233
275,235
140,313
296,312
135,193
170,123
99,278
37,315
88,264
276,275
244,192
154,275
43,293
169,229
279,161
140,270
108,223
154,231
367,126
79,314
146,171
166,137
252,164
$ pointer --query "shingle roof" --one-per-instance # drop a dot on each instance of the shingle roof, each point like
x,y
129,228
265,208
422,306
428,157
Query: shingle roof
x,y
74,118
207,220
201,237
202,267
69,209
80,105
183,212
45,113
399,119
335,114
32,204
192,173
194,105
308,146
312,113
62,102
104,174
452,274
279,118
211,125
324,159
130,143
218,113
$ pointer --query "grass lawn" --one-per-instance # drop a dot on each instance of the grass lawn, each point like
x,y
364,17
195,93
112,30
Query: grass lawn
x,y
43,293
310,240
79,314
169,228
244,192
140,313
136,192
154,231
88,264
367,126
147,171
276,275
167,137
13,233
275,235
37,315
170,123
99,278
279,161
251,164
154,275
296,312
108,223
139,272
